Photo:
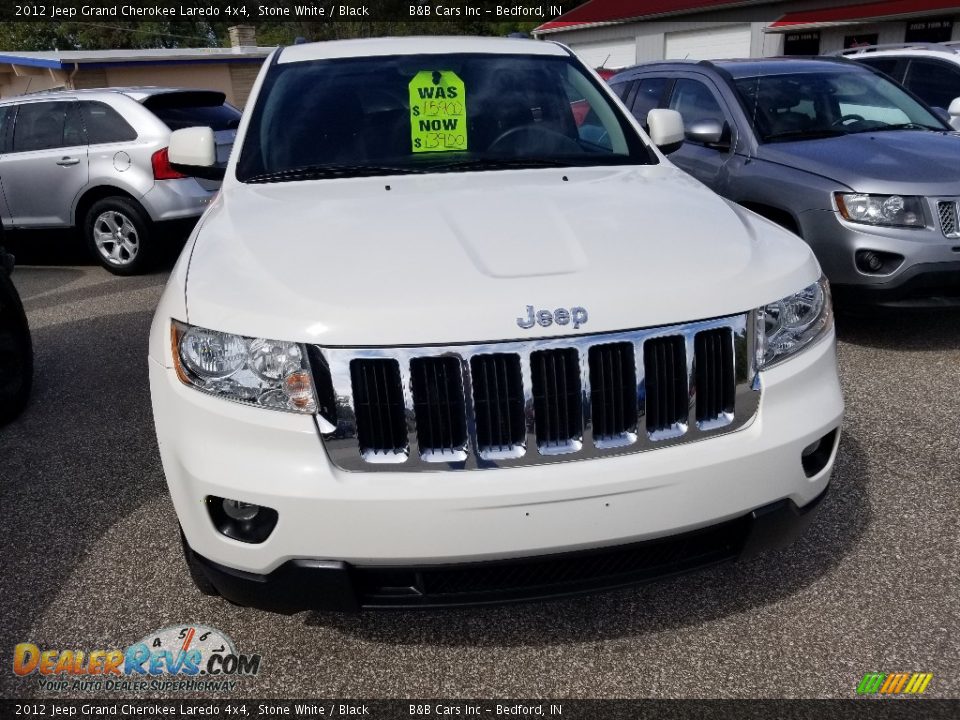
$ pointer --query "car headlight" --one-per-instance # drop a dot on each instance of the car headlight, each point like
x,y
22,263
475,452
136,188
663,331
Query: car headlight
x,y
785,327
268,373
894,210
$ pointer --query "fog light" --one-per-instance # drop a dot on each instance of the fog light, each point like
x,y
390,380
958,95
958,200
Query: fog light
x,y
877,262
240,520
240,510
870,261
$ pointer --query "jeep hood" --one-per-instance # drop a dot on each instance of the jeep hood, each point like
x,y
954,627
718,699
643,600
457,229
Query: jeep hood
x,y
909,162
452,258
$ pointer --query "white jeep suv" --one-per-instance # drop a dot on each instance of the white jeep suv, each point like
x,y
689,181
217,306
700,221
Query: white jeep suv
x,y
456,331
931,71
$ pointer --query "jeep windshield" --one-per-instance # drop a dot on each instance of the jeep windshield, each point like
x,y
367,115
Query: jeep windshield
x,y
432,113
829,103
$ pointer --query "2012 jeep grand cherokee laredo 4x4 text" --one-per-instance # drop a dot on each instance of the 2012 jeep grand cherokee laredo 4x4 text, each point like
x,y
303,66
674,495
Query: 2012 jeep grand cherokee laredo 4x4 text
x,y
456,331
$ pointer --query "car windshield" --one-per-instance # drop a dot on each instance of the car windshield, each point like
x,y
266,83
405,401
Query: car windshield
x,y
431,113
826,103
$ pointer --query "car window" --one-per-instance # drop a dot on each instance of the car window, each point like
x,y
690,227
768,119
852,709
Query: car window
x,y
45,125
695,102
621,89
647,97
886,65
839,101
104,124
180,110
419,113
937,83
6,120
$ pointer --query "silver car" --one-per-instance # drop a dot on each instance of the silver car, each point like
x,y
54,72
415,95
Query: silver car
x,y
97,160
861,169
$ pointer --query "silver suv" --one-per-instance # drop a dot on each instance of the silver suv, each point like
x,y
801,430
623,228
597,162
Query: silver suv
x,y
836,152
97,160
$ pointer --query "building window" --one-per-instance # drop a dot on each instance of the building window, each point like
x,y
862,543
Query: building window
x,y
933,30
805,43
862,40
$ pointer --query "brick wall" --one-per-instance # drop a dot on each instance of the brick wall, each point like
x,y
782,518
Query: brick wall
x,y
242,77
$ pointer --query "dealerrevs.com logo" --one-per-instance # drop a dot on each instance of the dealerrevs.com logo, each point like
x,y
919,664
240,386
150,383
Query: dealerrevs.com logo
x,y
180,658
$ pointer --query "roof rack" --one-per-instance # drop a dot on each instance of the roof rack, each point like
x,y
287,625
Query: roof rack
x,y
864,49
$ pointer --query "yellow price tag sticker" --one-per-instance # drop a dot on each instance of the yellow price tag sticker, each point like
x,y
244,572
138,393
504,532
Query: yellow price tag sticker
x,y
438,112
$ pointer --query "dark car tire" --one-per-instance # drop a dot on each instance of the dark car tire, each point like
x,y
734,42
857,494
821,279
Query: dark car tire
x,y
197,575
16,352
119,234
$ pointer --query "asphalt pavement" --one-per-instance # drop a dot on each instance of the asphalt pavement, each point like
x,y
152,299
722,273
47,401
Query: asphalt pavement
x,y
91,556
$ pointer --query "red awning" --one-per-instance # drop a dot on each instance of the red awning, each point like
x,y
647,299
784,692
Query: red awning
x,y
859,13
614,11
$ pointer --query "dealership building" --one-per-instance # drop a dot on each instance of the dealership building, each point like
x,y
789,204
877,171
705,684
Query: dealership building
x,y
231,70
618,33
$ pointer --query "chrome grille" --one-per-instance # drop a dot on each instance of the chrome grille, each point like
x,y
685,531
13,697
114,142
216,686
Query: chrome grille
x,y
523,403
948,210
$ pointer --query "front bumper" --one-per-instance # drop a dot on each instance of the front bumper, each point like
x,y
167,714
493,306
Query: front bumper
x,y
212,447
332,585
928,275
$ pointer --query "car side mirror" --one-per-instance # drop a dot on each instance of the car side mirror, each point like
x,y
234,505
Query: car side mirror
x,y
666,129
954,111
712,132
193,152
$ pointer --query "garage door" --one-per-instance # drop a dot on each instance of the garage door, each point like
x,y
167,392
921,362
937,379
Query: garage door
x,y
730,41
608,53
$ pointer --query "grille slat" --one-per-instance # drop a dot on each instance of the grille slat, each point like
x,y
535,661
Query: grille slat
x,y
665,369
557,412
439,404
715,382
498,401
948,212
613,390
379,406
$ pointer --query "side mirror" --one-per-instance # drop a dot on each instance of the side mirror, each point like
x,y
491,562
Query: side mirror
x,y
954,111
710,132
193,151
666,129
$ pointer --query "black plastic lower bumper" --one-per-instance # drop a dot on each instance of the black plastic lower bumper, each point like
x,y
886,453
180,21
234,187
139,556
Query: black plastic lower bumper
x,y
925,285
332,585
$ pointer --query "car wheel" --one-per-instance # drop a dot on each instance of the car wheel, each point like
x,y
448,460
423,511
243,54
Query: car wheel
x,y
16,352
118,233
199,578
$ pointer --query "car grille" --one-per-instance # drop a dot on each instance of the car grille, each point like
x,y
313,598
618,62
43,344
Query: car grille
x,y
521,403
948,211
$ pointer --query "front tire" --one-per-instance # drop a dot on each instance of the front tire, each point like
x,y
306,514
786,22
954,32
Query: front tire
x,y
118,233
16,352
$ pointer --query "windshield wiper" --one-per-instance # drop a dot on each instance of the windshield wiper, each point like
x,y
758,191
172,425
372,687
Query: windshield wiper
x,y
488,163
903,126
804,134
329,170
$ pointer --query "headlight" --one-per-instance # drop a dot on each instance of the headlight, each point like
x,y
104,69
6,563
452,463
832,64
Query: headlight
x,y
256,371
787,326
896,210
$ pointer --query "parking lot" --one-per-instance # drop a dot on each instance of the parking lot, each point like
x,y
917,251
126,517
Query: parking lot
x,y
93,557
